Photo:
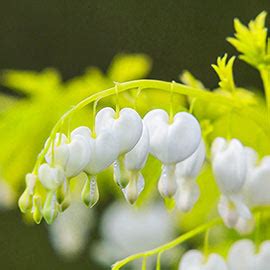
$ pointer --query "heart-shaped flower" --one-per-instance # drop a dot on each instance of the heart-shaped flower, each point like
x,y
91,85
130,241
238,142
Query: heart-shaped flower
x,y
257,186
186,172
104,149
72,156
255,191
127,128
249,259
171,143
51,177
194,260
229,164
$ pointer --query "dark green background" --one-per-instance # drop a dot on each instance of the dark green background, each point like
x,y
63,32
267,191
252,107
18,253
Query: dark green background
x,y
73,34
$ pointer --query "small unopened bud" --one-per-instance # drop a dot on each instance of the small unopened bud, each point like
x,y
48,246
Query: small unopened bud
x,y
37,209
90,193
50,209
25,201
62,191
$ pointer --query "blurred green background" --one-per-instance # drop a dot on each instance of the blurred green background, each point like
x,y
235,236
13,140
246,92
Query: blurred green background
x,y
73,35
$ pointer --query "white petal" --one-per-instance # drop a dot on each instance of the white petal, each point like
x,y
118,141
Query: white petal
x,y
127,129
245,226
79,155
230,168
257,187
218,145
104,151
241,255
172,143
251,156
263,258
61,152
191,260
186,195
228,212
190,167
136,158
167,182
51,178
215,262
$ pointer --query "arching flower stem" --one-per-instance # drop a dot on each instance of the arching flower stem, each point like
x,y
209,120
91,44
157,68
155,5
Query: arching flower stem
x,y
160,85
179,240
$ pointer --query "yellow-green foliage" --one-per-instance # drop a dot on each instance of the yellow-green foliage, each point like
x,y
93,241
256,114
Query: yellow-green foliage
x,y
227,111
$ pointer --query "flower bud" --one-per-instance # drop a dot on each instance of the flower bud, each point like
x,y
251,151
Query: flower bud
x,y
50,209
37,209
25,201
90,193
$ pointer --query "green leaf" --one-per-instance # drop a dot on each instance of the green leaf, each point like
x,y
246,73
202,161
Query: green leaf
x,y
126,67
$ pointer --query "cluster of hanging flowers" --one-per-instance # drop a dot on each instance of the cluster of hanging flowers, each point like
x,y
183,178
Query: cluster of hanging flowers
x,y
243,255
124,140
243,180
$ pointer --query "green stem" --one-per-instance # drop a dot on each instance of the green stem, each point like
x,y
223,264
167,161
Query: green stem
x,y
172,244
265,75
151,84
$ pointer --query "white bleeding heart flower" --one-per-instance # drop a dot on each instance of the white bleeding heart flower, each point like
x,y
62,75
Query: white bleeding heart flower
x,y
195,260
51,177
104,149
243,256
229,164
127,128
186,172
171,143
255,191
134,161
72,156
257,186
